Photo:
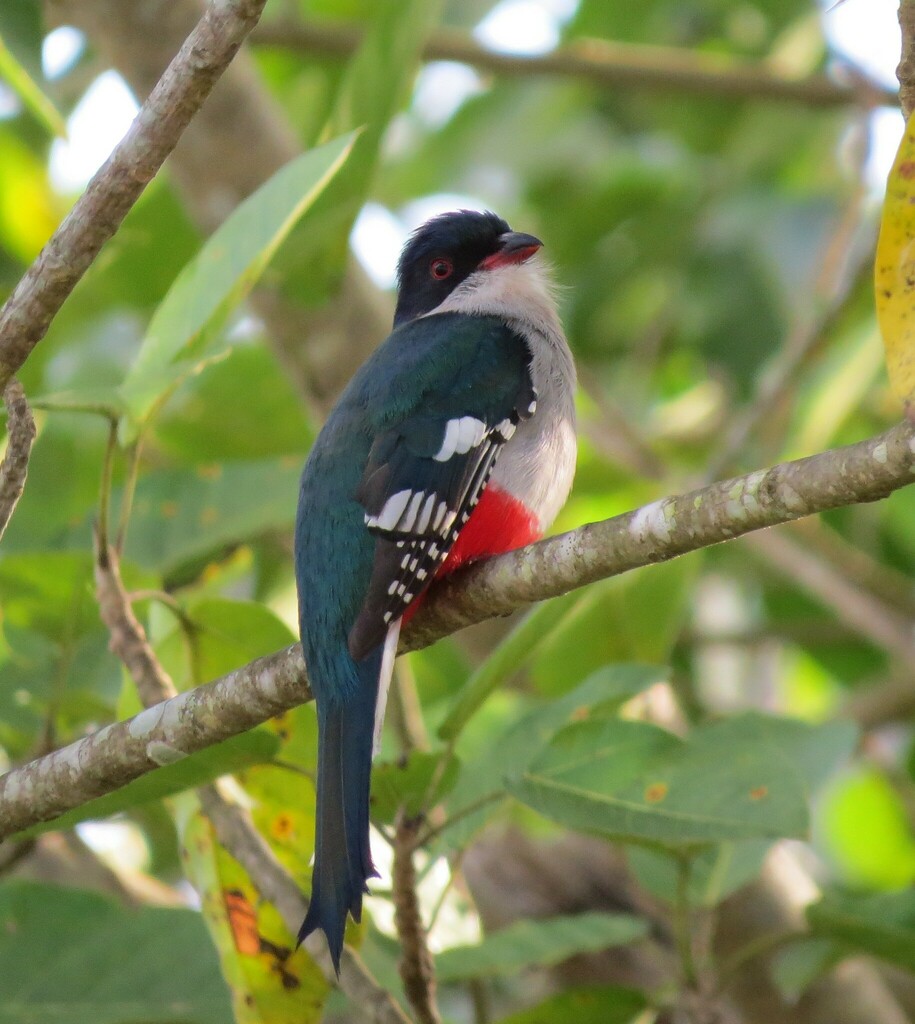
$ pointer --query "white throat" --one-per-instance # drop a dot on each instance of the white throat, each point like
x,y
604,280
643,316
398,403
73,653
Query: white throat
x,y
518,292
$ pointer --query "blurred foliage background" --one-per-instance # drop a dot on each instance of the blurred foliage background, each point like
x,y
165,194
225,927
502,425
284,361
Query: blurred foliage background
x,y
728,832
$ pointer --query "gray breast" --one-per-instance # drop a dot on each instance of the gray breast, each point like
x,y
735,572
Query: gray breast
x,y
538,463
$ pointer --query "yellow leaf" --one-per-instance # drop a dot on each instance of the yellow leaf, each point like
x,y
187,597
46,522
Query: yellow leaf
x,y
894,273
271,981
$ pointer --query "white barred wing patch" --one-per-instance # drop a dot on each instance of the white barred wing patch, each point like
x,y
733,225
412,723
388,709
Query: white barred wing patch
x,y
410,512
424,512
420,556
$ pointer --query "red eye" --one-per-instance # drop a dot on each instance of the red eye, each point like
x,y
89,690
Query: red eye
x,y
440,268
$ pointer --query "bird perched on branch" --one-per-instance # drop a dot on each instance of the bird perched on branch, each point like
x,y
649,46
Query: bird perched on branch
x,y
455,440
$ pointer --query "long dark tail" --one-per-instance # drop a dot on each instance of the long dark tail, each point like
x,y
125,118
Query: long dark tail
x,y
343,858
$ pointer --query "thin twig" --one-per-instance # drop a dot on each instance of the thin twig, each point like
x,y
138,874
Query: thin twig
x,y
104,501
683,925
891,585
128,638
127,495
606,64
417,970
834,282
760,945
416,966
466,811
861,612
117,185
167,600
867,471
20,429
406,711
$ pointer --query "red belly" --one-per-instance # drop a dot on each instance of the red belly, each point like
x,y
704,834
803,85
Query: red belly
x,y
499,523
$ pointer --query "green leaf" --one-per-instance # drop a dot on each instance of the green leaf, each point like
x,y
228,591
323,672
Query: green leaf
x,y
882,924
538,943
796,967
232,755
637,783
224,271
45,590
866,830
22,30
28,90
635,617
396,783
513,652
56,507
587,1004
179,516
815,751
512,749
54,660
243,408
79,957
96,401
602,693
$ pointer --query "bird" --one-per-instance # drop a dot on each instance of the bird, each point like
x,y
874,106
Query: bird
x,y
454,441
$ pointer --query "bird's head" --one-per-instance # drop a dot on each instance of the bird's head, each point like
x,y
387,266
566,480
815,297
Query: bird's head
x,y
446,250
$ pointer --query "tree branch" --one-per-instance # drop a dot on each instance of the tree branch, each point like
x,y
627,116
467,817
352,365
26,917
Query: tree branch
x,y
867,471
120,181
417,969
603,63
20,429
905,71
840,268
862,613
